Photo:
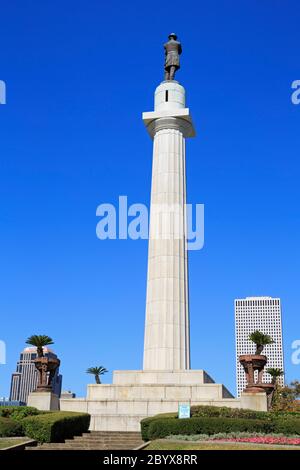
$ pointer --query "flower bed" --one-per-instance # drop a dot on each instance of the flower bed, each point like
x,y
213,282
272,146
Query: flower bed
x,y
264,440
253,438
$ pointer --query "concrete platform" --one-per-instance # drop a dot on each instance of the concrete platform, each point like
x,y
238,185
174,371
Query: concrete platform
x,y
135,395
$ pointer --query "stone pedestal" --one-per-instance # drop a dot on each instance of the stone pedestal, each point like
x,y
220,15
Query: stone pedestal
x,y
135,395
254,401
45,401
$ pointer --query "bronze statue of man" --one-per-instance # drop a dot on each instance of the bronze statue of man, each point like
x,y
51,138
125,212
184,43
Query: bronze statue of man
x,y
173,50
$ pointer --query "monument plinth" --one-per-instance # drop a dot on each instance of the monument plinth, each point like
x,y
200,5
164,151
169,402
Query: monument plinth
x,y
166,379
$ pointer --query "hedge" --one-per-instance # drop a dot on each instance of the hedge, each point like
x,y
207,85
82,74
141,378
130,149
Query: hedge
x,y
287,425
10,428
214,420
145,423
55,426
163,427
18,412
225,412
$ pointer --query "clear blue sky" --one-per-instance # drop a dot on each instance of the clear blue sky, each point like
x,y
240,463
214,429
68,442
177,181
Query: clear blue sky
x,y
79,74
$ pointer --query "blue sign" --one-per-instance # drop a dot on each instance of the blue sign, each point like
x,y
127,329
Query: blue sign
x,y
184,411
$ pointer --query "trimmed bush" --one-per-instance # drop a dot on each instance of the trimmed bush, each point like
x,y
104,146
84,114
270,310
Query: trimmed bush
x,y
56,426
164,427
224,412
145,423
10,428
287,426
18,412
285,414
213,420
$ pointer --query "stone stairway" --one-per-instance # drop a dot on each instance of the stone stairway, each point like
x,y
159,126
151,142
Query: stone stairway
x,y
97,440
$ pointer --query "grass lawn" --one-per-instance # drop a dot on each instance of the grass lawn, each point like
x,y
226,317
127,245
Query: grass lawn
x,y
164,444
7,442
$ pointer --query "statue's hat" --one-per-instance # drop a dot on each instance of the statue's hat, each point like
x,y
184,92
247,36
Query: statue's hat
x,y
172,35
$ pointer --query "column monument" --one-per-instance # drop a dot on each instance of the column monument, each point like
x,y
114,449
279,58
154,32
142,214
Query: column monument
x,y
166,379
167,343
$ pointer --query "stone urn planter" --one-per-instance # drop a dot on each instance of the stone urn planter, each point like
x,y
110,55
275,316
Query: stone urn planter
x,y
252,363
46,367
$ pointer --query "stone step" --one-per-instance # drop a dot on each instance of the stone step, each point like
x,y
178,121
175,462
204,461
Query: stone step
x,y
109,435
105,439
104,443
141,393
113,437
97,440
84,447
112,433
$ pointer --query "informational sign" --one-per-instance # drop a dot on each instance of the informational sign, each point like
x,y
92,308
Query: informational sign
x,y
184,410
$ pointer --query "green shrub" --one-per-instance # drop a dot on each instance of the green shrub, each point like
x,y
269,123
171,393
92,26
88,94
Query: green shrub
x,y
287,426
18,412
224,412
285,414
226,435
221,419
10,428
145,423
55,426
160,428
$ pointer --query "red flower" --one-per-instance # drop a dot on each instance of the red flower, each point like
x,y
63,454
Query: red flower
x,y
265,440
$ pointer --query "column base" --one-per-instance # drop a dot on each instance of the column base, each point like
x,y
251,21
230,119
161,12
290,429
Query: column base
x,y
135,395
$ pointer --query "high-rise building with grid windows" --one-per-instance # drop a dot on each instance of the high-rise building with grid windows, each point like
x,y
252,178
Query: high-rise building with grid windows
x,y
25,379
263,314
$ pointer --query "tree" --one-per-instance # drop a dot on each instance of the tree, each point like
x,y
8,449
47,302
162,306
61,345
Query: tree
x,y
286,398
39,341
260,340
274,397
97,372
275,373
296,386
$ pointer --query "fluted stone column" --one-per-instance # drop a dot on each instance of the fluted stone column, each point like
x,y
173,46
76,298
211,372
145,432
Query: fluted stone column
x,y
166,345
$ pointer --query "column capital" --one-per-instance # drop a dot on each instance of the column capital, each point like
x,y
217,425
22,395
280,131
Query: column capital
x,y
179,119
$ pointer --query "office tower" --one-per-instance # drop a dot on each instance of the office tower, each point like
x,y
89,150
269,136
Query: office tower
x,y
263,314
25,379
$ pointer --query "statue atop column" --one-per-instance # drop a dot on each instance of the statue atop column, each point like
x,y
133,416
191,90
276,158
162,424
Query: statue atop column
x,y
173,50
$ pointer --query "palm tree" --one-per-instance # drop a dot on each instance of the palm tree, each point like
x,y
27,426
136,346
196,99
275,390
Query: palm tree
x,y
275,395
260,340
97,371
39,341
275,373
